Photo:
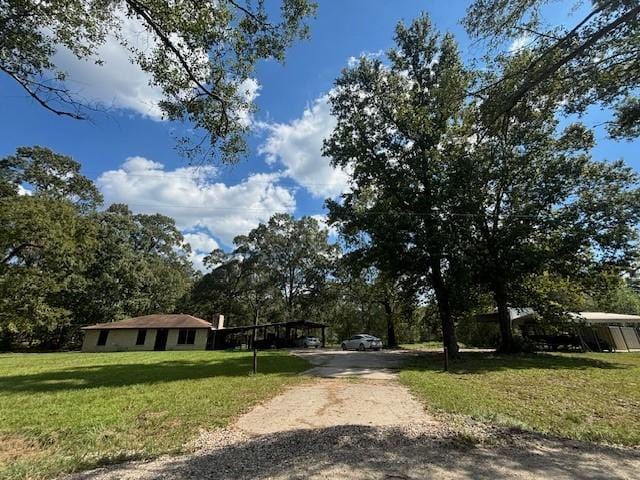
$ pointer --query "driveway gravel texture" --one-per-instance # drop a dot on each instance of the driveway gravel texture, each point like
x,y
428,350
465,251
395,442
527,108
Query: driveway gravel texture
x,y
353,420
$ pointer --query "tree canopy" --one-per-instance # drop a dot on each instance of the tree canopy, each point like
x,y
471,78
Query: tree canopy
x,y
395,130
595,60
198,54
472,188
66,264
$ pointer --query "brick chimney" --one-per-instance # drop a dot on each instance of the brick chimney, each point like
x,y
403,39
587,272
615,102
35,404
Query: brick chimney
x,y
220,321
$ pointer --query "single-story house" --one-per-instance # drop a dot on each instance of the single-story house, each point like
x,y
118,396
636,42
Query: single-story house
x,y
149,332
185,332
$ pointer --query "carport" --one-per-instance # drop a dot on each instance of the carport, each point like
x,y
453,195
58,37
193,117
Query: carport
x,y
608,331
268,335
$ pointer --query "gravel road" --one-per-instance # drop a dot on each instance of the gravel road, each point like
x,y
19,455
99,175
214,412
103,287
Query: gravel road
x,y
381,365
371,428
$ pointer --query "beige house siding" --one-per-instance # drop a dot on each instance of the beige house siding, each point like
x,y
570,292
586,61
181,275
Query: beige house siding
x,y
124,340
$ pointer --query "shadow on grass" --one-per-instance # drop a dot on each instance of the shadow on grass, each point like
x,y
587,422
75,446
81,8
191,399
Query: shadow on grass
x,y
368,452
483,362
121,375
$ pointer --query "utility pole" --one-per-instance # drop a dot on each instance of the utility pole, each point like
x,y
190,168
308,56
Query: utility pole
x,y
253,342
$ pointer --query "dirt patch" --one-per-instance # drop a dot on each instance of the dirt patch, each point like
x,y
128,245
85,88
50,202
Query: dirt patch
x,y
15,447
333,400
329,403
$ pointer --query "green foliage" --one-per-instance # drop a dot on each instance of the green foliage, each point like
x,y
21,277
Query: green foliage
x,y
278,271
552,296
220,291
65,265
480,196
593,61
46,244
49,175
294,255
474,332
198,55
395,132
139,267
608,292
542,205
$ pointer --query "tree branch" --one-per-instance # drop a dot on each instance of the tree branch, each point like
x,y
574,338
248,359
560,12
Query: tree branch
x,y
572,33
34,94
250,14
554,67
145,15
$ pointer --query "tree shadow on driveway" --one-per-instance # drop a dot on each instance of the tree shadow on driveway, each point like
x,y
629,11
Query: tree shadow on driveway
x,y
345,452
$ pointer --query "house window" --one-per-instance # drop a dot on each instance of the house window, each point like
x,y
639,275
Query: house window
x,y
142,335
186,337
102,338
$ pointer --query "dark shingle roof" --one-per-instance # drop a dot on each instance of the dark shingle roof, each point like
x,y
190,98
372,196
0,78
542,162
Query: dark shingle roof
x,y
154,321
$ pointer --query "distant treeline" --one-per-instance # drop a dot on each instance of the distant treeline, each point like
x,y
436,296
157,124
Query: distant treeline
x,y
67,263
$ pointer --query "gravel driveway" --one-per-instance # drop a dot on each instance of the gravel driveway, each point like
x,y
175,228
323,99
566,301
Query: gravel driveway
x,y
370,427
381,365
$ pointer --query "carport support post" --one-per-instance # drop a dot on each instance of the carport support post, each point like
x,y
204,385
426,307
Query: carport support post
x,y
323,337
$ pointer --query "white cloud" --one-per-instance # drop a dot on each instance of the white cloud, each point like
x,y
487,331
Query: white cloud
x,y
298,146
201,245
248,91
201,242
193,197
118,83
323,222
353,61
519,43
23,191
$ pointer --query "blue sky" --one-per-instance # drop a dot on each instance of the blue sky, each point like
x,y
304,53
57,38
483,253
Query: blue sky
x,y
130,153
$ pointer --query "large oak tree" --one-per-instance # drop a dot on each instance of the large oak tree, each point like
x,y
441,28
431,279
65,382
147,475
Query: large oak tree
x,y
396,130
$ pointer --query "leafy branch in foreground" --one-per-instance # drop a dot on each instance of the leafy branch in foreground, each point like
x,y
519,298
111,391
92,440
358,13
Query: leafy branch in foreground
x,y
198,54
596,60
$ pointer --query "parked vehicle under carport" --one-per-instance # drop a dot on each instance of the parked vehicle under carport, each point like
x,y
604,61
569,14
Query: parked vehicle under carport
x,y
308,342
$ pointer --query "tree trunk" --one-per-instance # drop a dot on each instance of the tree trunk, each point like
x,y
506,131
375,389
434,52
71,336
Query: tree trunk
x,y
391,330
442,298
507,345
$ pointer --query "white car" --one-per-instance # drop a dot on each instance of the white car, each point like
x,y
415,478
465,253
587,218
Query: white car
x,y
362,342
309,342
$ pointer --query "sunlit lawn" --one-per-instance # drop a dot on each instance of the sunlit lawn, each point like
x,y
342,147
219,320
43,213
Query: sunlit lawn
x,y
71,411
593,397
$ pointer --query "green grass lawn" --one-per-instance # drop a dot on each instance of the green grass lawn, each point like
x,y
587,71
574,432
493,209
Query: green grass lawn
x,y
65,412
593,397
